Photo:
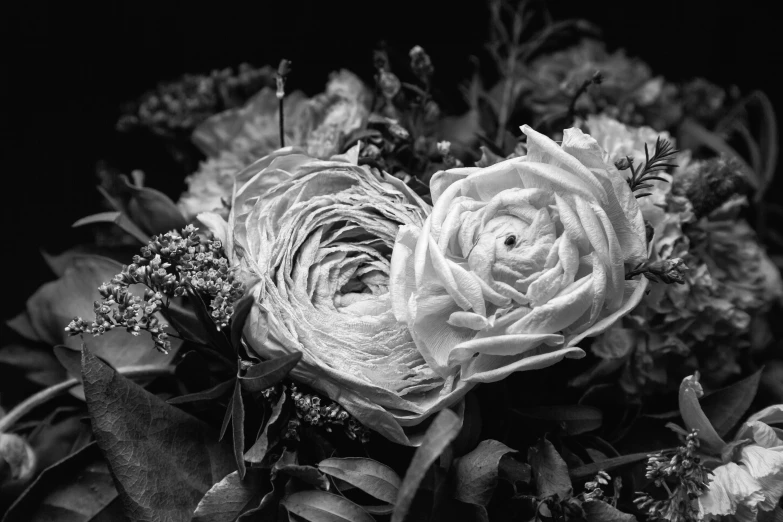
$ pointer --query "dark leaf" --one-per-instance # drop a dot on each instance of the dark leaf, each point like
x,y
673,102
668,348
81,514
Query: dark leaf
x,y
550,471
266,374
59,263
476,474
163,459
207,395
216,338
227,500
79,488
514,471
119,219
575,418
370,476
36,363
58,435
238,319
320,506
470,433
70,359
56,303
257,452
237,408
188,324
725,407
287,464
589,470
600,511
154,212
439,434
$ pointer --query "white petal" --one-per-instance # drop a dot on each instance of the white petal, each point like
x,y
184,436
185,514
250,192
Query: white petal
x,y
730,487
766,466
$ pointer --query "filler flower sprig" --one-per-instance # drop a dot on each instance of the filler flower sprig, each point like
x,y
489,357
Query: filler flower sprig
x,y
683,470
171,265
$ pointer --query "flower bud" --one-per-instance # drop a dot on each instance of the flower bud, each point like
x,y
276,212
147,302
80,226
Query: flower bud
x,y
17,459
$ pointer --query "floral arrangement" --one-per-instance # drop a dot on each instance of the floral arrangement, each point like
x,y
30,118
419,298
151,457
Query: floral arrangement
x,y
555,306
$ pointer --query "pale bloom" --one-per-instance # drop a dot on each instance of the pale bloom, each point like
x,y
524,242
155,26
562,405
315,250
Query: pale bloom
x,y
235,138
519,261
754,480
319,235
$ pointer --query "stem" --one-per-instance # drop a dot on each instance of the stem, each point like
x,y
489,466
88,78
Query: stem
x,y
43,396
506,100
282,123
580,92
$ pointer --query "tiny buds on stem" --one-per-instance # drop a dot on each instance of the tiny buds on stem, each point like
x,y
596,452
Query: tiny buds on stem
x,y
283,70
421,65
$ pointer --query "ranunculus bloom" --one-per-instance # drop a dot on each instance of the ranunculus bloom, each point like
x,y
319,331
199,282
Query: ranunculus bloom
x,y
755,481
519,261
319,236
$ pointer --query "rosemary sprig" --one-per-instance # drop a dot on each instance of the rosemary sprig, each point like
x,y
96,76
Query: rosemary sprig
x,y
659,162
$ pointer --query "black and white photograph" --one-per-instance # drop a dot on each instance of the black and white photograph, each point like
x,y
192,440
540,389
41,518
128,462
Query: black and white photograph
x,y
392,261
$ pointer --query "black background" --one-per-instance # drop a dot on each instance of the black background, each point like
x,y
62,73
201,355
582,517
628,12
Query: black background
x,y
70,65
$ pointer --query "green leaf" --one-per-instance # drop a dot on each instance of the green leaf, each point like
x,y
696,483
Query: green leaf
x,y
163,459
266,374
153,210
443,429
257,452
119,219
574,418
78,488
600,511
227,500
589,470
476,474
550,471
320,506
372,477
725,407
694,417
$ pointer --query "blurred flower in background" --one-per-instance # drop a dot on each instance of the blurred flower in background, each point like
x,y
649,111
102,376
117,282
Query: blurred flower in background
x,y
235,138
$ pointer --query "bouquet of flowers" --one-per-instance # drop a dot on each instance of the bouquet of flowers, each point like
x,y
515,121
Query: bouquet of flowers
x,y
554,306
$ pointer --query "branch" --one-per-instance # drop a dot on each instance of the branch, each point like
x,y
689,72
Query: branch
x,y
43,396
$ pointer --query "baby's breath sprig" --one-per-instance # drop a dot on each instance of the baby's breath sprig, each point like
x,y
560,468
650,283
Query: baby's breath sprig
x,y
640,176
593,488
683,476
171,265
312,409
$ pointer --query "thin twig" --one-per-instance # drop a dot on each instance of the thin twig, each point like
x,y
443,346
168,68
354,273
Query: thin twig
x,y
45,395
